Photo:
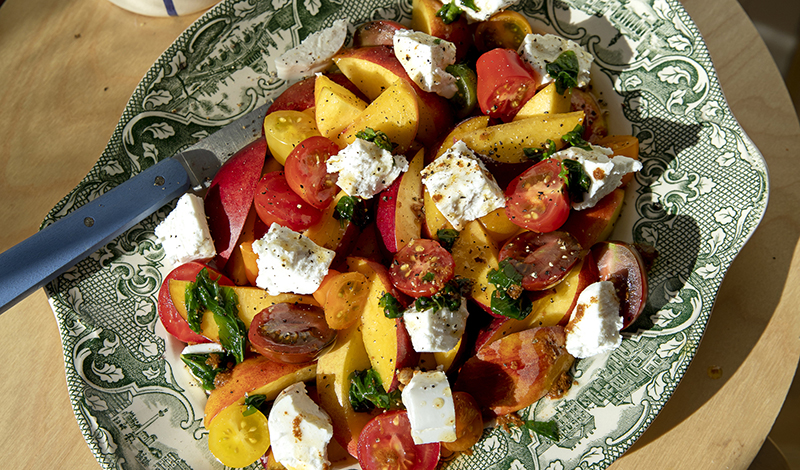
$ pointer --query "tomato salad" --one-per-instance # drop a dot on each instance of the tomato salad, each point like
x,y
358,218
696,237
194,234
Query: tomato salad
x,y
378,265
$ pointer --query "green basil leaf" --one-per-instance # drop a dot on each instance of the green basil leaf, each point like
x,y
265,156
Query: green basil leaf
x,y
353,209
253,403
564,71
367,393
205,367
548,429
449,12
379,138
391,306
447,237
537,155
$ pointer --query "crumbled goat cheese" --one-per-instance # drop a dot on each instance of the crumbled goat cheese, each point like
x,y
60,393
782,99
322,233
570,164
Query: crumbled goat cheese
x,y
425,58
314,54
184,234
299,430
604,171
461,187
485,8
538,50
365,169
595,323
435,330
431,411
290,262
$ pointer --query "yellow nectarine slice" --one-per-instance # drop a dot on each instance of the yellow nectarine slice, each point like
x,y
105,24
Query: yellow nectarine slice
x,y
545,101
394,112
475,254
506,142
462,129
336,106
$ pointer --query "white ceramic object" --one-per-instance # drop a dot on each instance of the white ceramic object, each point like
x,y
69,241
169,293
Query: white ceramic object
x,y
164,7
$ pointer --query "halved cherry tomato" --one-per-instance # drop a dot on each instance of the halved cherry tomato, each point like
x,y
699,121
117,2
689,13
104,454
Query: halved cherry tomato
x,y
421,268
285,129
173,322
276,202
345,299
537,199
385,443
504,83
238,440
622,264
469,423
506,29
543,259
307,172
290,333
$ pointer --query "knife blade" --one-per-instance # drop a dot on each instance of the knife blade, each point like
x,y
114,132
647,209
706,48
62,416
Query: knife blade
x,y
39,259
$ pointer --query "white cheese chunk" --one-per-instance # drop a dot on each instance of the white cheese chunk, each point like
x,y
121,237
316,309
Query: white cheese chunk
x,y
540,49
461,187
290,262
203,348
435,330
425,57
429,401
595,323
365,169
299,430
604,171
485,8
314,54
184,234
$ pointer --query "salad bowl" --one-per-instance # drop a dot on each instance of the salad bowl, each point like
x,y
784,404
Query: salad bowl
x,y
701,194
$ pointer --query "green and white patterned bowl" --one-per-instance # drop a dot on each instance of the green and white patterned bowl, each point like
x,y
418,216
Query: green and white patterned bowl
x,y
700,196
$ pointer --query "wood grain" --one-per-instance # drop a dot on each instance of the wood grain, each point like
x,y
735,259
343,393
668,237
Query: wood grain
x,y
68,70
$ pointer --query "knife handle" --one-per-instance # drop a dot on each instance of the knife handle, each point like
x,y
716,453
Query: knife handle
x,y
41,258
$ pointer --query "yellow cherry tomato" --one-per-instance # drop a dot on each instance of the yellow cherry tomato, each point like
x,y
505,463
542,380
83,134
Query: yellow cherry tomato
x,y
238,440
285,129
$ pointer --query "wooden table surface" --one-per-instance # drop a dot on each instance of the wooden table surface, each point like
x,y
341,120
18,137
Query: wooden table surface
x,y
68,68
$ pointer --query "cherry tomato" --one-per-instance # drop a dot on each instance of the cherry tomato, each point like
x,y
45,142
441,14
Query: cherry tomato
x,y
543,259
307,173
622,264
345,299
421,268
469,423
594,124
285,129
276,202
290,333
537,199
504,83
238,440
506,29
173,322
385,443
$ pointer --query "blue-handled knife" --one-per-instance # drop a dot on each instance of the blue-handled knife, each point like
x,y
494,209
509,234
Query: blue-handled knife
x,y
41,258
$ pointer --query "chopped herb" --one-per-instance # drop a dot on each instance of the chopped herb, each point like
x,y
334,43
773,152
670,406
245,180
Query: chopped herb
x,y
537,155
206,367
575,138
447,237
378,138
205,294
564,70
548,429
576,179
366,392
391,306
253,403
353,209
428,277
449,296
449,12
508,299
471,5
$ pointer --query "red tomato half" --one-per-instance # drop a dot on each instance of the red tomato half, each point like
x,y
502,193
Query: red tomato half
x,y
307,172
290,333
385,443
421,268
173,322
504,83
537,199
276,202
543,259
